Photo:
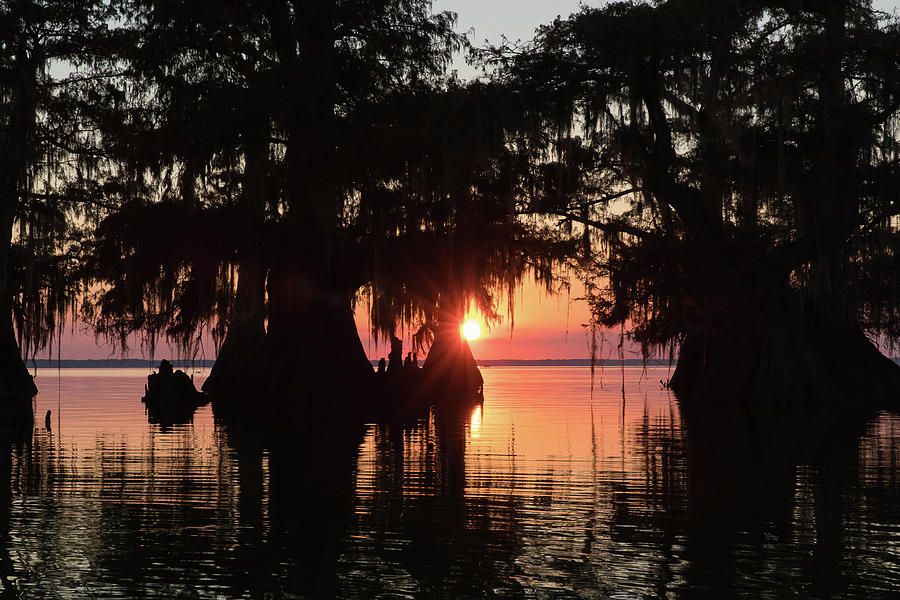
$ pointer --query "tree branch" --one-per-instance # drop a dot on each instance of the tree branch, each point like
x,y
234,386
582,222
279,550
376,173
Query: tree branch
x,y
73,198
609,227
614,196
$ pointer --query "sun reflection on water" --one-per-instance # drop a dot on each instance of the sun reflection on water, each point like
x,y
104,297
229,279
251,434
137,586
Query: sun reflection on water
x,y
475,422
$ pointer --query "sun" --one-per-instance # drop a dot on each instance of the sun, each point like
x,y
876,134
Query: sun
x,y
471,330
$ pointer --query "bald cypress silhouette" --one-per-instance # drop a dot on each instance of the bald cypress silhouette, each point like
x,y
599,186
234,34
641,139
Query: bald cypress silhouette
x,y
258,116
734,165
334,61
188,129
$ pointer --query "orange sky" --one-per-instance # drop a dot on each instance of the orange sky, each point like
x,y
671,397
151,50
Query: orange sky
x,y
545,327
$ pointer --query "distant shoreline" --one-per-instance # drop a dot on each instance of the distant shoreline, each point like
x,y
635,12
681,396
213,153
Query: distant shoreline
x,y
572,362
112,363
138,363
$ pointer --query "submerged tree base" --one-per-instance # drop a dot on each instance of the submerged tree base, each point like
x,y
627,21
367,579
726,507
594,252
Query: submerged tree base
x,y
246,335
783,362
450,369
313,366
312,357
17,388
234,369
16,394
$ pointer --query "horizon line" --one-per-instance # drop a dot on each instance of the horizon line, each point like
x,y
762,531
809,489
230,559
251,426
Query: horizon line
x,y
100,363
207,362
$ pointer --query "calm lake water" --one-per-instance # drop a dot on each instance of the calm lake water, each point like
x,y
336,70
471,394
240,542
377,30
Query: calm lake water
x,y
547,490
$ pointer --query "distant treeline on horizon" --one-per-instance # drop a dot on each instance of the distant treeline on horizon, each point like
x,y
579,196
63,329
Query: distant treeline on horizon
x,y
133,363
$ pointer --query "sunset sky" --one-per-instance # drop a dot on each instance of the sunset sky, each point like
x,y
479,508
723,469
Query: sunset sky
x,y
545,327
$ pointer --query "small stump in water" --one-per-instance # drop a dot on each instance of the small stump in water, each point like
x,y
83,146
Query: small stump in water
x,y
171,389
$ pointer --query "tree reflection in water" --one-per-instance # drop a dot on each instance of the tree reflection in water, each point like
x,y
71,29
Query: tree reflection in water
x,y
167,417
423,535
765,501
11,445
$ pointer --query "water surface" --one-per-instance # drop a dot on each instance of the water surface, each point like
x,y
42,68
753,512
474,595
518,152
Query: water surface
x,y
549,489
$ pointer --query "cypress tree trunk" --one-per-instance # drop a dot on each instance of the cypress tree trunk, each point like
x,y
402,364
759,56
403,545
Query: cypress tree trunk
x,y
312,354
776,350
16,384
235,365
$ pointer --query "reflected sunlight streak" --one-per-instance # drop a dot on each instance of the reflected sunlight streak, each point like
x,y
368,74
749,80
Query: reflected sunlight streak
x,y
475,424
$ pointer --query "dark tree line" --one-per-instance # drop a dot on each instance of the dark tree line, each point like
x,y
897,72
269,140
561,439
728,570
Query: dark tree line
x,y
725,175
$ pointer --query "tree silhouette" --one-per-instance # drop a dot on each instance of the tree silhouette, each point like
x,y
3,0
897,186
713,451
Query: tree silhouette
x,y
265,114
185,250
442,231
48,54
735,165
315,159
334,61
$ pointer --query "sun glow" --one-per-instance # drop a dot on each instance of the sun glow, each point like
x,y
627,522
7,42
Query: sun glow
x,y
471,330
